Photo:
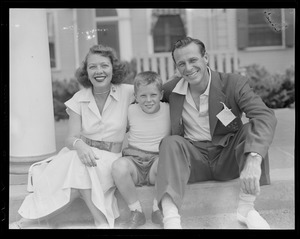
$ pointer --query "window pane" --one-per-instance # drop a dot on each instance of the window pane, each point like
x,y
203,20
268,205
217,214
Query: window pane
x,y
52,55
261,30
159,44
106,12
167,30
51,38
256,16
108,35
264,36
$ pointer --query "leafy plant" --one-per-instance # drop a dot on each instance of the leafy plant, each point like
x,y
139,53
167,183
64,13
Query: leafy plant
x,y
63,91
131,69
277,91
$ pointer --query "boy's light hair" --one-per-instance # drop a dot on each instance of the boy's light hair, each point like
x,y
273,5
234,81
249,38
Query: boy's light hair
x,y
146,78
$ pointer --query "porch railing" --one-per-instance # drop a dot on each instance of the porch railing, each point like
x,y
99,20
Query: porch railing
x,y
222,61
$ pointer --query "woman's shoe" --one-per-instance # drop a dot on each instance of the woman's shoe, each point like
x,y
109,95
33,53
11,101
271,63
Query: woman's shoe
x,y
15,225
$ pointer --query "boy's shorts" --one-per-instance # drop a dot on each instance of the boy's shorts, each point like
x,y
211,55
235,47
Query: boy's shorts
x,y
143,161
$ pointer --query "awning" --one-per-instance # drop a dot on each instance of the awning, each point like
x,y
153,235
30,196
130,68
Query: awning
x,y
156,12
168,11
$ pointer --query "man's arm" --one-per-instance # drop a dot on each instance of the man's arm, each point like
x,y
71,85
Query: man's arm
x,y
260,135
169,86
262,119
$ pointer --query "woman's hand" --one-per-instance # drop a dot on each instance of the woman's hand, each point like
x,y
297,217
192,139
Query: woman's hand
x,y
86,154
84,151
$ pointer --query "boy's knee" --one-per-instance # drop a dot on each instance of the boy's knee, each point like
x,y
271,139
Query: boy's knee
x,y
120,167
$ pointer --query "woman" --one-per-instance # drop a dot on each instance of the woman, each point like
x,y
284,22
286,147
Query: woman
x,y
97,126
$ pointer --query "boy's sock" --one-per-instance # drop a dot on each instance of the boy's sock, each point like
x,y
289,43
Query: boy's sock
x,y
171,216
246,203
155,206
135,206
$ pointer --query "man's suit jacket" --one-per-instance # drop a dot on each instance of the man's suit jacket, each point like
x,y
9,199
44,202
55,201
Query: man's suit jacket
x,y
235,92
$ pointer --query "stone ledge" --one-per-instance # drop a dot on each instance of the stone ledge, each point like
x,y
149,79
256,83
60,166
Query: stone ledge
x,y
198,200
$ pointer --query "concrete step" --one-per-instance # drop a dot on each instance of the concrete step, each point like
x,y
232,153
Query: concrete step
x,y
206,205
277,218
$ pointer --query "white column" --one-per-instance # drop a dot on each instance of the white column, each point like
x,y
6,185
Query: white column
x,y
75,32
125,34
32,131
150,43
189,22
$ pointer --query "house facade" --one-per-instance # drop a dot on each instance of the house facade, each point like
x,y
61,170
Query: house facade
x,y
234,38
244,36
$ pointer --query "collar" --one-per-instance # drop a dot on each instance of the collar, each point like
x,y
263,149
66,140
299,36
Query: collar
x,y
87,95
182,86
206,92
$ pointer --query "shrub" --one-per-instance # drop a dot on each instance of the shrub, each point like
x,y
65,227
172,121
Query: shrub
x,y
63,91
131,69
277,91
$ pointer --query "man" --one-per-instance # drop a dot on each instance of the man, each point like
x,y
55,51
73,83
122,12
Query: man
x,y
209,140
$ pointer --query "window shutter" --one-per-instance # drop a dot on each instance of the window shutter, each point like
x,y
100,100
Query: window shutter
x,y
242,28
289,31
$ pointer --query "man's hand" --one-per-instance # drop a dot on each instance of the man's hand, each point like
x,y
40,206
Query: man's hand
x,y
250,175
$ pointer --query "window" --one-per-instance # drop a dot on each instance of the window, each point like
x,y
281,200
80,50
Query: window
x,y
52,39
107,25
264,28
167,30
106,12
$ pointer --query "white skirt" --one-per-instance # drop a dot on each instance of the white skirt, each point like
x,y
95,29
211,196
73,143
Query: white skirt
x,y
53,187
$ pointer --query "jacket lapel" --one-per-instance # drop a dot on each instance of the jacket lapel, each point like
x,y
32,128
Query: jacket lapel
x,y
216,96
176,107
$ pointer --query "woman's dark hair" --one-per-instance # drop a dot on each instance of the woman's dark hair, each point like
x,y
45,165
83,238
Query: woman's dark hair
x,y
186,41
119,71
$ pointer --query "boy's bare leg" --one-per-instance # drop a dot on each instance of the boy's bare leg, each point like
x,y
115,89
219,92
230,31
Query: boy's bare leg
x,y
152,180
125,176
171,218
153,172
156,216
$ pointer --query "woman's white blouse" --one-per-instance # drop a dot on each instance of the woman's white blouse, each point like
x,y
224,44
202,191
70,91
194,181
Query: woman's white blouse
x,y
111,125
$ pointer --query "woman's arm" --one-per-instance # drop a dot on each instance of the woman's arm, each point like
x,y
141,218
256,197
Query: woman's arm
x,y
74,128
84,151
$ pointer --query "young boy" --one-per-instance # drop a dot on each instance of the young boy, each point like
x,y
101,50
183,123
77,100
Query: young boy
x,y
149,123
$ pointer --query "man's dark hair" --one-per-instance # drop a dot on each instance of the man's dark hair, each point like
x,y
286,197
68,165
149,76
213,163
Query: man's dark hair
x,y
186,41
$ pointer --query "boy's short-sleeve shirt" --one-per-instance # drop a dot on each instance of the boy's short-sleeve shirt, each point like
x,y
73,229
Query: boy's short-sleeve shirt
x,y
147,130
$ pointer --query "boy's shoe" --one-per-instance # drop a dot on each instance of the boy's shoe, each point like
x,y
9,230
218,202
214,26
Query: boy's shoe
x,y
136,219
157,217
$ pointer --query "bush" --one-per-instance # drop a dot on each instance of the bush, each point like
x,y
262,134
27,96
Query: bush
x,y
277,91
63,91
131,71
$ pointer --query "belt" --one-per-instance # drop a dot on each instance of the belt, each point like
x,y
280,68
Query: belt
x,y
114,147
